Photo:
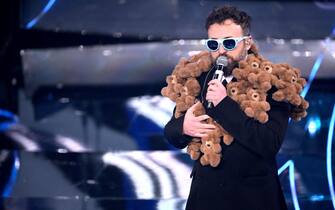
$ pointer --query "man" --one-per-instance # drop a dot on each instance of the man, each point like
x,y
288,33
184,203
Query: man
x,y
246,178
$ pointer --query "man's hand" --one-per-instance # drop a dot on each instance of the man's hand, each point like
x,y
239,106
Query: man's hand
x,y
216,92
193,126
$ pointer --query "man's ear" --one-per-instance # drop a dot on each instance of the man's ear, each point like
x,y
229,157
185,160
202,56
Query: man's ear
x,y
248,42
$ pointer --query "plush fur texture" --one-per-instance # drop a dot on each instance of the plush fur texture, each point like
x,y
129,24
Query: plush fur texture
x,y
255,76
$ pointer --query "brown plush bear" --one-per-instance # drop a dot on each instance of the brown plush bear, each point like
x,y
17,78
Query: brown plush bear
x,y
227,138
250,70
267,66
210,143
301,81
187,96
251,65
195,66
252,60
182,86
256,105
173,88
273,70
237,90
210,146
299,112
193,149
254,80
260,79
211,150
289,85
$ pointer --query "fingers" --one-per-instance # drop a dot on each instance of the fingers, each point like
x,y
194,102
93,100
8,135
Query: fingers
x,y
201,117
211,88
191,109
209,126
211,96
204,131
214,82
200,135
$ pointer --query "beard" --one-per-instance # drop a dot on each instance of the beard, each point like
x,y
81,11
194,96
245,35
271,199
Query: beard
x,y
228,70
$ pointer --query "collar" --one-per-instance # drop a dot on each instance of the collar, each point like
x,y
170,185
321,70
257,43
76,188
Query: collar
x,y
228,79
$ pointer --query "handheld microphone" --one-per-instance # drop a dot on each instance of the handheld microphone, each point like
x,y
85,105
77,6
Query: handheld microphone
x,y
221,63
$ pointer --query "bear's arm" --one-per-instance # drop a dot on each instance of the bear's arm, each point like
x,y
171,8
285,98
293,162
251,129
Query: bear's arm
x,y
173,132
263,139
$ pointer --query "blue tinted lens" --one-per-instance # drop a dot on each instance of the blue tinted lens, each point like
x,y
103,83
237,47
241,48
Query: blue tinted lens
x,y
212,44
229,44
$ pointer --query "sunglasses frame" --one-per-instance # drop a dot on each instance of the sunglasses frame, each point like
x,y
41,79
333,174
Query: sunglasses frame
x,y
220,42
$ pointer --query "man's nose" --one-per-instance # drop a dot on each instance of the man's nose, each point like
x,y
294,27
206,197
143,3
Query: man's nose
x,y
222,50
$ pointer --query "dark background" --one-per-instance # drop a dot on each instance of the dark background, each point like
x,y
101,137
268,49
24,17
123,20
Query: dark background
x,y
81,116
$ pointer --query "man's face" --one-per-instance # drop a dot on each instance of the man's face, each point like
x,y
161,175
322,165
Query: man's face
x,y
229,29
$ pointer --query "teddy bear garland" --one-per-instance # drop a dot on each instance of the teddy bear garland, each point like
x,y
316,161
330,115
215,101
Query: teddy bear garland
x,y
255,76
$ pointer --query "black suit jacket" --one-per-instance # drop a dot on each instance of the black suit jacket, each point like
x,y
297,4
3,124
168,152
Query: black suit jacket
x,y
246,178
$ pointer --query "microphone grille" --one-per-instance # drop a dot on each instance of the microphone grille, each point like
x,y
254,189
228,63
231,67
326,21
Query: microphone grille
x,y
222,61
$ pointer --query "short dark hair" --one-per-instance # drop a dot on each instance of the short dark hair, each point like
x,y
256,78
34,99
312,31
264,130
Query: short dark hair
x,y
220,14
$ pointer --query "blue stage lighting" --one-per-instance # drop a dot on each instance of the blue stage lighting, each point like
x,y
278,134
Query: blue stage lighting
x,y
312,75
329,156
42,13
313,125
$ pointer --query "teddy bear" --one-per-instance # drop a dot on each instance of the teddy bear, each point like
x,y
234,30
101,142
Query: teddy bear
x,y
237,90
252,60
172,89
250,65
211,149
255,105
251,71
273,70
210,144
299,112
227,138
195,66
260,79
187,96
182,87
289,84
193,149
301,81
185,69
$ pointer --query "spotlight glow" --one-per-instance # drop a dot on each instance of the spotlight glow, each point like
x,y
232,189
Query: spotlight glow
x,y
290,165
39,16
313,125
329,156
312,75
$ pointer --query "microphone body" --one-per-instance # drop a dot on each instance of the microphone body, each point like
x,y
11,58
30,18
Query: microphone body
x,y
221,63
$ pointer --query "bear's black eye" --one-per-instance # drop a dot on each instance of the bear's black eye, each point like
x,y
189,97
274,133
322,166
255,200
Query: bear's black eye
x,y
255,95
294,79
268,69
254,65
